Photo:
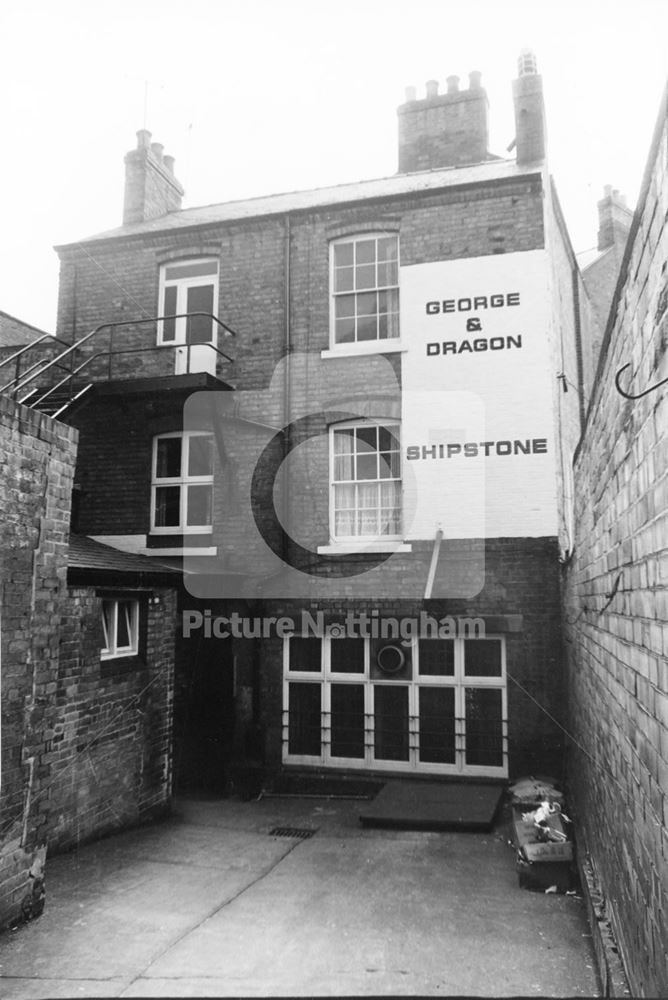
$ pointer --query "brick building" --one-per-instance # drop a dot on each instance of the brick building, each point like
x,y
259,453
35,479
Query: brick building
x,y
87,668
616,603
361,464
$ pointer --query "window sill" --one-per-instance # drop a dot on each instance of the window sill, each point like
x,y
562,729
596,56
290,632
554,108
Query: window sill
x,y
360,548
368,347
171,532
188,550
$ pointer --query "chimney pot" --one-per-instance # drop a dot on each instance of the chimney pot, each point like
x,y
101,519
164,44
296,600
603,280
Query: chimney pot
x,y
432,88
411,94
527,64
453,84
529,110
474,80
614,218
151,189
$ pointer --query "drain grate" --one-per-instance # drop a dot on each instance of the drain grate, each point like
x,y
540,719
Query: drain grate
x,y
291,831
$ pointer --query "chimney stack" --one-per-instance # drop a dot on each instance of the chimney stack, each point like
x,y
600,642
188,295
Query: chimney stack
x,y
529,110
614,219
151,189
443,130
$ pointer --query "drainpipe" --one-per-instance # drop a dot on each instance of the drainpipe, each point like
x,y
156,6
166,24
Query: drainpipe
x,y
578,343
286,386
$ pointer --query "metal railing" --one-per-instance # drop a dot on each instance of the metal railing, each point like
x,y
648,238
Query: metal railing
x,y
21,381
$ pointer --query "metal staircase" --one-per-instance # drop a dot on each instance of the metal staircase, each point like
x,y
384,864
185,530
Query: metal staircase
x,y
41,385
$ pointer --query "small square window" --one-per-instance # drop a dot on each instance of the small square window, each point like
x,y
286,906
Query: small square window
x,y
120,628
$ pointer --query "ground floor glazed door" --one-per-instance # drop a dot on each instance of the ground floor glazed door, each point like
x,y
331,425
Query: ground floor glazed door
x,y
435,706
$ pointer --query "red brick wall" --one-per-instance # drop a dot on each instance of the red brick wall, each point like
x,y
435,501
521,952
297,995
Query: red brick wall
x,y
110,751
35,487
616,606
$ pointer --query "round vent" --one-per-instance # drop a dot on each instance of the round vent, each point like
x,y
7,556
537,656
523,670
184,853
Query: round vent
x,y
390,659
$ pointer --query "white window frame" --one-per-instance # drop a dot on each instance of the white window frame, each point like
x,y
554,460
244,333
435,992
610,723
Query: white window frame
x,y
183,482
376,345
182,285
111,650
394,426
325,677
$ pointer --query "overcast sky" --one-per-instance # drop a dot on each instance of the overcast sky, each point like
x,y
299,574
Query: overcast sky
x,y
259,97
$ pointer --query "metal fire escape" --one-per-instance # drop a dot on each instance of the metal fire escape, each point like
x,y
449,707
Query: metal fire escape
x,y
55,383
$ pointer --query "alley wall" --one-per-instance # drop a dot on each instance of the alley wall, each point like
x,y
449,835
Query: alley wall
x,y
616,603
38,457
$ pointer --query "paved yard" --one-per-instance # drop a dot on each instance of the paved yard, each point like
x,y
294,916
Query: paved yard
x,y
210,904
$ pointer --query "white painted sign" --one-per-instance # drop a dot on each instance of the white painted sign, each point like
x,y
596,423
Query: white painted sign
x,y
477,398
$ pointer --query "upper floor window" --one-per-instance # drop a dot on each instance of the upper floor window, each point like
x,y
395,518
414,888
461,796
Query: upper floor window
x,y
366,481
120,626
182,483
188,287
365,289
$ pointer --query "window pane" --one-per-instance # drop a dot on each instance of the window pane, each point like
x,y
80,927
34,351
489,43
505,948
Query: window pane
x,y
484,727
199,505
344,331
437,657
168,462
367,467
387,275
343,254
191,270
482,657
367,328
367,438
365,276
388,439
365,251
347,656
388,248
344,306
123,626
344,279
167,506
437,725
391,722
200,455
169,309
304,719
344,441
343,468
200,328
305,653
367,304
347,720
388,465
344,496
107,622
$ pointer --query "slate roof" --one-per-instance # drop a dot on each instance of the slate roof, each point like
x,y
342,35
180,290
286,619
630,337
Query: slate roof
x,y
276,204
15,333
87,554
588,257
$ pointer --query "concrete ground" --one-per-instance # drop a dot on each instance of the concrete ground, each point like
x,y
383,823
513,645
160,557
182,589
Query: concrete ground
x,y
210,904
